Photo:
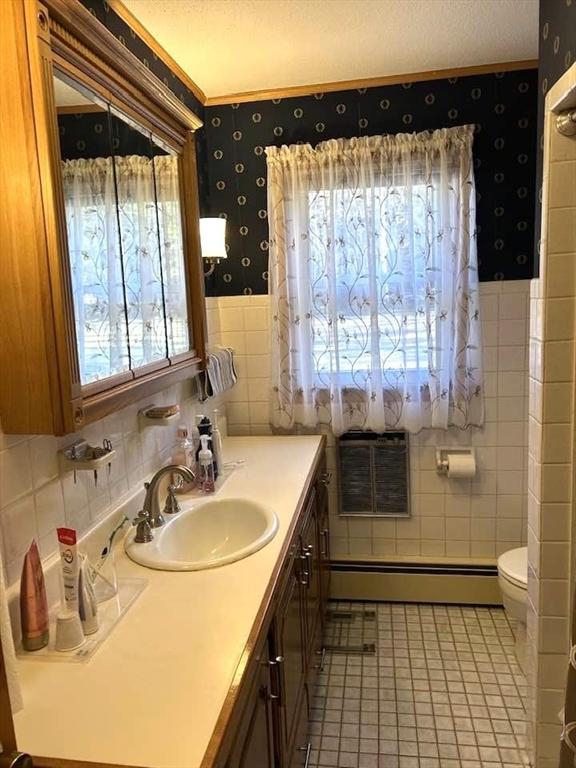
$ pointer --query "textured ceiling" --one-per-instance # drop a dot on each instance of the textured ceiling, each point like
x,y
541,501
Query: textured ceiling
x,y
230,46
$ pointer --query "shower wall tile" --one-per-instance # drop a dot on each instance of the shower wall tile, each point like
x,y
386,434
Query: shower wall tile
x,y
552,386
450,519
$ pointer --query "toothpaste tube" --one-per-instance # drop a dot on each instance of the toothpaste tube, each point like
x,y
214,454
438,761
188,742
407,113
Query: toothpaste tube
x,y
70,566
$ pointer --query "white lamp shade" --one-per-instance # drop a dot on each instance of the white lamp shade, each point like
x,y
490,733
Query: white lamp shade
x,y
213,238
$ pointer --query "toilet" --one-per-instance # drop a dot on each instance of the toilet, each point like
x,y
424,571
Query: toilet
x,y
513,582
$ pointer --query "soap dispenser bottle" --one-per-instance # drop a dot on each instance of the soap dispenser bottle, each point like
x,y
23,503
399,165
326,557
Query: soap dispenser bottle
x,y
205,428
206,464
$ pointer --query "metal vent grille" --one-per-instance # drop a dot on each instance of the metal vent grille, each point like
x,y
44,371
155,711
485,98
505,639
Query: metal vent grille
x,y
373,472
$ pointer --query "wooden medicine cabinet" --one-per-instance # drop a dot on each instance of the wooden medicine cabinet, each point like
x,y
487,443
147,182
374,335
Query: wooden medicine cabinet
x,y
101,293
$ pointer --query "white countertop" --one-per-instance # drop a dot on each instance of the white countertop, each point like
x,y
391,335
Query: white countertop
x,y
153,692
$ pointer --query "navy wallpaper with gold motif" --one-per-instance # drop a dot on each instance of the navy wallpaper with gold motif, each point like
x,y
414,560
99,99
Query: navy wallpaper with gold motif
x,y
502,106
99,134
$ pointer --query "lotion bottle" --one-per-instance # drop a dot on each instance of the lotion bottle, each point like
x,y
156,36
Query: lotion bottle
x,y
33,602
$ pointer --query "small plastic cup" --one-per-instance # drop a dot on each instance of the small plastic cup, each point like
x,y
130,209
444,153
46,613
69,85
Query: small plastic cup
x,y
69,633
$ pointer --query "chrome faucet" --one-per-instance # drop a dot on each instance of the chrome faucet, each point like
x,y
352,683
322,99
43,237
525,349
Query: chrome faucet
x,y
151,504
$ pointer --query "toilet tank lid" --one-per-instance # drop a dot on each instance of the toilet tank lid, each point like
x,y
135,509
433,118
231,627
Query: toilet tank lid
x,y
514,565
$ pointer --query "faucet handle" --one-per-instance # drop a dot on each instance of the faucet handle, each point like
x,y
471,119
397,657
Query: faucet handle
x,y
143,528
172,506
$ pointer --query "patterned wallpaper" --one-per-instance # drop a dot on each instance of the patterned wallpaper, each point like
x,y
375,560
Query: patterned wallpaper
x,y
97,134
557,52
503,106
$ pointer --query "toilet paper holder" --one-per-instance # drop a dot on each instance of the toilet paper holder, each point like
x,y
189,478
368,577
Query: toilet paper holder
x,y
443,454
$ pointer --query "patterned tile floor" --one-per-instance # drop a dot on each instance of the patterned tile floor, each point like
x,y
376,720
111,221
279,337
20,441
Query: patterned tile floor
x,y
443,690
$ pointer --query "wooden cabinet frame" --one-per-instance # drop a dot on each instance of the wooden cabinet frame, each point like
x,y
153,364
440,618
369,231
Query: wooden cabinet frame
x,y
42,393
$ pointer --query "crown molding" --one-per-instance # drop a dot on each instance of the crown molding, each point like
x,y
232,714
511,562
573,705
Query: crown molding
x,y
369,82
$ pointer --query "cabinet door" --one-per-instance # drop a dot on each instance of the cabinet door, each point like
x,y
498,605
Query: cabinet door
x,y
310,574
254,747
288,659
300,756
322,514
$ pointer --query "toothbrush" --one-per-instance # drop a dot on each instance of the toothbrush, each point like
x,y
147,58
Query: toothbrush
x,y
106,551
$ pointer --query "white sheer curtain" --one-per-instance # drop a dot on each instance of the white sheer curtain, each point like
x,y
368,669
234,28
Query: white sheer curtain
x,y
126,249
374,283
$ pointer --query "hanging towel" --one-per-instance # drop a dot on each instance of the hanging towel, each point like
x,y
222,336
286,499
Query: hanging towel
x,y
220,374
8,648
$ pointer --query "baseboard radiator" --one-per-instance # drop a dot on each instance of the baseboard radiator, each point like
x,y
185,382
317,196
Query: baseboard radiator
x,y
404,582
374,474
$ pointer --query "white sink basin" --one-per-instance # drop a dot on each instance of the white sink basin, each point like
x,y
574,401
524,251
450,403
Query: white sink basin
x,y
209,534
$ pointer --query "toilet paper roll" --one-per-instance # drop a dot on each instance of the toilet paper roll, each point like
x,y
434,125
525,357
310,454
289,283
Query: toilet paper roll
x,y
461,465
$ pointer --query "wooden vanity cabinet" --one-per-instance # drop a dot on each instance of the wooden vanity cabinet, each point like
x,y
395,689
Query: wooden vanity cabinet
x,y
293,637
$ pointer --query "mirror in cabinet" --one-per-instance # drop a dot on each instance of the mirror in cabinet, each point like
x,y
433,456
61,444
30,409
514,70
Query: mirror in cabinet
x,y
109,295
124,235
92,231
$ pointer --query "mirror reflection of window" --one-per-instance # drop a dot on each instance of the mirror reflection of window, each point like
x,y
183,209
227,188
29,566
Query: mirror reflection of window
x,y
172,252
92,231
140,241
124,228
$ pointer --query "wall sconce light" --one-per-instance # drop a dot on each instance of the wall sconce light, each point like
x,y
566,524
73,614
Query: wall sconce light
x,y
213,242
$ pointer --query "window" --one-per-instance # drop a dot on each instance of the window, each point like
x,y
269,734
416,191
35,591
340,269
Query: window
x,y
400,329
374,283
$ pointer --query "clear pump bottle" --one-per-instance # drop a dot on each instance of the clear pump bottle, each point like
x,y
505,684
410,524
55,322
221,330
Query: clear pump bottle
x,y
183,454
206,466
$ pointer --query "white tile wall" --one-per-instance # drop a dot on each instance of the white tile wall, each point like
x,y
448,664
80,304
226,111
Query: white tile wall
x,y
551,465
36,498
451,519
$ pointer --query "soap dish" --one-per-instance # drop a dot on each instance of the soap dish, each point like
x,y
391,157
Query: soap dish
x,y
155,416
81,456
109,615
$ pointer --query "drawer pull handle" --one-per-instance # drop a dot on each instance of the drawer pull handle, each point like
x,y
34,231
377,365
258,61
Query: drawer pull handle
x,y
325,478
324,535
15,760
305,580
275,682
306,748
322,654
